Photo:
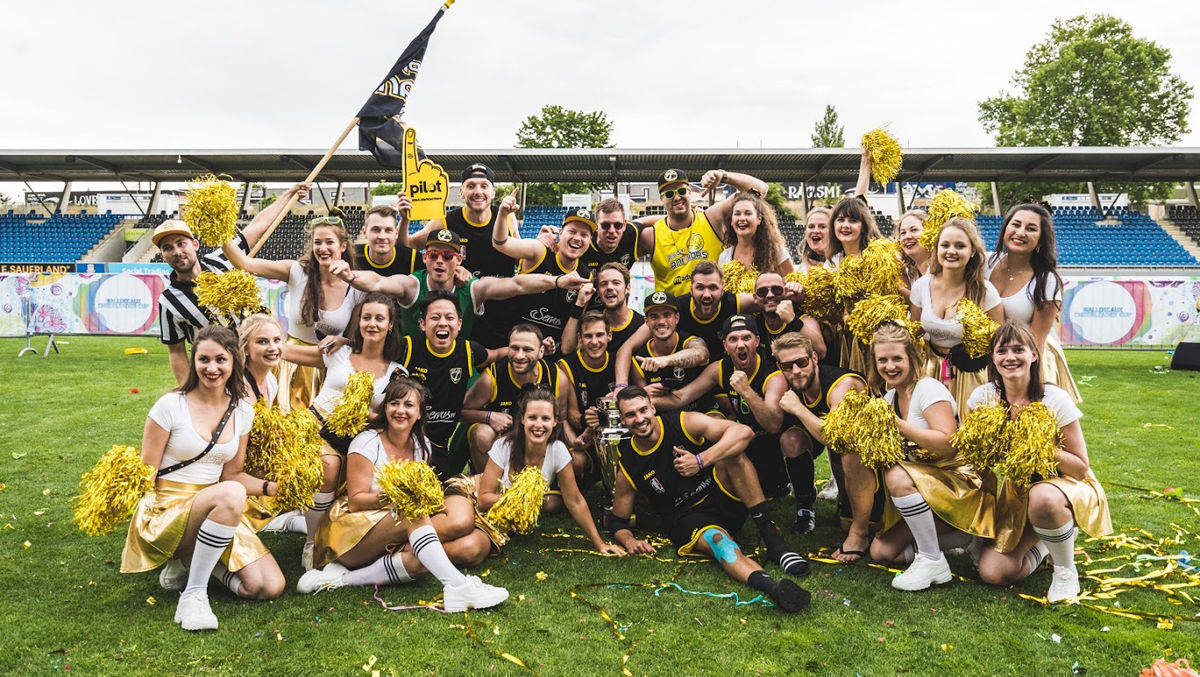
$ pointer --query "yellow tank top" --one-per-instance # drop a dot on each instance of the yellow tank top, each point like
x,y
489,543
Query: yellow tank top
x,y
677,251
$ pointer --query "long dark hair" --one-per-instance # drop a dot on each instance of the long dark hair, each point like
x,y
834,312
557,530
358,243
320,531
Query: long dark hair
x,y
767,241
227,339
398,387
1044,259
310,303
1015,332
516,435
391,342
855,208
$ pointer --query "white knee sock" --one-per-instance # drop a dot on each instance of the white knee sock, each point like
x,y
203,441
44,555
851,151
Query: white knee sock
x,y
313,516
227,578
1035,556
919,518
1060,543
429,551
387,570
211,541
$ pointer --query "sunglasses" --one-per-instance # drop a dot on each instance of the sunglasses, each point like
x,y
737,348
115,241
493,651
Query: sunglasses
x,y
326,221
441,255
670,193
773,290
802,362
616,225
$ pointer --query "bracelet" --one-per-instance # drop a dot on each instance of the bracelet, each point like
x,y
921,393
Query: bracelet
x,y
556,279
699,461
487,418
499,242
353,277
723,175
618,386
265,483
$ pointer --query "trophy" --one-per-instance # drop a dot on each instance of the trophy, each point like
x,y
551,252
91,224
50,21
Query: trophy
x,y
611,434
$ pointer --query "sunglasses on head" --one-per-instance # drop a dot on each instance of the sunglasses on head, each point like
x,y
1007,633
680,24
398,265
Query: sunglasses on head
x,y
327,221
773,290
669,193
801,362
441,254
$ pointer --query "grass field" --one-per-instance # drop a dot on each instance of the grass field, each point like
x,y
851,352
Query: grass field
x,y
64,606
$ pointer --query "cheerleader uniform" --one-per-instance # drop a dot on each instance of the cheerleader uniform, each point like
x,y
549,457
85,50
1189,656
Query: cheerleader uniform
x,y
1089,504
338,370
849,351
162,515
942,334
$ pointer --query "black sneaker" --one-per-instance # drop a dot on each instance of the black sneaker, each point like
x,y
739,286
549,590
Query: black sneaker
x,y
805,522
790,597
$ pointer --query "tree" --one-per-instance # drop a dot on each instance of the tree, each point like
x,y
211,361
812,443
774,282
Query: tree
x,y
828,133
385,188
775,197
1091,82
558,127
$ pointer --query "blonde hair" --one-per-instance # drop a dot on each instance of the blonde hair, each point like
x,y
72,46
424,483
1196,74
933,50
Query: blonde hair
x,y
890,332
973,275
806,252
250,325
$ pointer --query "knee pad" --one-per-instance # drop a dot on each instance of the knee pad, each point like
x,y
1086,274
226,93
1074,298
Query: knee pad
x,y
725,550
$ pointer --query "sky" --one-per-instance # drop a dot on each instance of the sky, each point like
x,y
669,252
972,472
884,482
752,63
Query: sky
x,y
700,74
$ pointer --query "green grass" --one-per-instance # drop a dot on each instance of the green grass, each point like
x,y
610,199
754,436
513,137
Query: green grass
x,y
64,604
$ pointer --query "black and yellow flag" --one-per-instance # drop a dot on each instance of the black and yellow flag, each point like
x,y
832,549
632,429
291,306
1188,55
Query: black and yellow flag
x,y
379,128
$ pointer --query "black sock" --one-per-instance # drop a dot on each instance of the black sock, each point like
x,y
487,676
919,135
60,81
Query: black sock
x,y
762,581
802,474
767,528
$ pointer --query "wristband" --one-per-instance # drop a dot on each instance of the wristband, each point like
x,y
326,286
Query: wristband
x,y
556,279
575,312
265,483
699,461
353,277
487,418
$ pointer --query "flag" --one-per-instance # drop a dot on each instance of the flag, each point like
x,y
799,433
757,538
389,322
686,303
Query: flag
x,y
379,128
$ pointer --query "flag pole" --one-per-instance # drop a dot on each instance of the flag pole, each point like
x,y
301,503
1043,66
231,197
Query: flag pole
x,y
311,176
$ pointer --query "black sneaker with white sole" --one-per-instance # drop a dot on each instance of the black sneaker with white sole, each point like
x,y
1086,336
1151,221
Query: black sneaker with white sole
x,y
805,522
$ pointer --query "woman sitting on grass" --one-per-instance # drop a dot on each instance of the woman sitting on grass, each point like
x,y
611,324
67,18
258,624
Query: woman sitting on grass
x,y
196,437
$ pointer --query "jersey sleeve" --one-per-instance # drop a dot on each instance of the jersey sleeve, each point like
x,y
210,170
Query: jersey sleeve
x,y
170,332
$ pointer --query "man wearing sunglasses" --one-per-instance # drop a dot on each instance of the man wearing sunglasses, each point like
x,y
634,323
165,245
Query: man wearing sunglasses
x,y
777,316
616,239
687,235
813,391
442,257
610,284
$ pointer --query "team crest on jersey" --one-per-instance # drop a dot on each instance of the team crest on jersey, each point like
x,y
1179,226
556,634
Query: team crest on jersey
x,y
625,260
456,374
696,242
571,294
657,486
678,373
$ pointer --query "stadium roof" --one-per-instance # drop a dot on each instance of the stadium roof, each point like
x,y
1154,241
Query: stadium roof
x,y
614,164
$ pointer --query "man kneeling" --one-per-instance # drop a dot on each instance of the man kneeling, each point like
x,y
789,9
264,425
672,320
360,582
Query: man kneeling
x,y
695,485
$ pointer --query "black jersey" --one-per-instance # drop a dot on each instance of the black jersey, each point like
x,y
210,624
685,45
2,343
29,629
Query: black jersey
x,y
506,392
625,253
403,261
764,369
829,376
589,384
446,376
652,471
548,310
767,335
480,257
708,330
672,378
621,334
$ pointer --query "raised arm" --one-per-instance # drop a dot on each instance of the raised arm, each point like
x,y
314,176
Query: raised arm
x,y
719,213
418,239
272,270
258,225
495,288
570,333
403,287
731,437
863,185
507,243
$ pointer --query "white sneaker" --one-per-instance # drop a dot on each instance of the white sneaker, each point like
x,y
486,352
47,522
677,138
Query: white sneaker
x,y
279,523
472,594
829,492
922,573
321,579
173,575
306,556
1064,584
193,612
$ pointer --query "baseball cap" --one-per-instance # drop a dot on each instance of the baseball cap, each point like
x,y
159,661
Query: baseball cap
x,y
671,177
580,214
739,322
170,227
478,170
658,298
445,237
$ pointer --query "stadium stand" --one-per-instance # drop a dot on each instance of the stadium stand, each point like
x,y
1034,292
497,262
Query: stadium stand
x,y
536,217
1187,218
1136,241
31,238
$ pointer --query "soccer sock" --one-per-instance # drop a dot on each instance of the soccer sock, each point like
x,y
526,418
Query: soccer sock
x,y
211,541
227,578
802,474
1060,543
762,581
919,517
1034,557
313,516
908,554
387,570
429,551
770,533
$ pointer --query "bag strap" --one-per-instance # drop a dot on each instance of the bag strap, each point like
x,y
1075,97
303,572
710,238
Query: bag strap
x,y
233,402
254,386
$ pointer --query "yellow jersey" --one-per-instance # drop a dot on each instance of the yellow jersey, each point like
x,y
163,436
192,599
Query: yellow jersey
x,y
677,251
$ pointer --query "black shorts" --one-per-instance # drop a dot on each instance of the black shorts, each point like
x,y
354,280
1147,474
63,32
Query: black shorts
x,y
336,442
767,459
718,510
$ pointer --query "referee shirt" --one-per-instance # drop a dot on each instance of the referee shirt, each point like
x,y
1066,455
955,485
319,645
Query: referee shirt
x,y
179,314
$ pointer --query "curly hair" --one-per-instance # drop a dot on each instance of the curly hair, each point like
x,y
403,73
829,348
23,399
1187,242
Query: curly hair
x,y
767,240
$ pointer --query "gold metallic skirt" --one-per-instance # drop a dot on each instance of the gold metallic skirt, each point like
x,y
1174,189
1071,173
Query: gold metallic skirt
x,y
852,353
1089,507
342,529
158,525
298,384
960,383
1055,369
467,485
259,512
956,493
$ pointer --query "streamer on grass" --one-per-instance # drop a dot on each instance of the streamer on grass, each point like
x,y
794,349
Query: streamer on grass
x,y
233,294
738,278
109,492
945,205
211,210
349,417
412,487
886,156
518,509
865,426
819,295
977,328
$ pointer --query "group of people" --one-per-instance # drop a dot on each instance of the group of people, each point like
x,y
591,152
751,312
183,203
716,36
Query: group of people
x,y
492,353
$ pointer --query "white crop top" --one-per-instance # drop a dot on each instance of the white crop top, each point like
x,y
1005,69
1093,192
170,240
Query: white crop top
x,y
943,332
170,412
1056,399
338,369
926,392
557,458
330,322
1019,307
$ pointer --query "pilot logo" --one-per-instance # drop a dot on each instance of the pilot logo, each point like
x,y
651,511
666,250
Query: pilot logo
x,y
456,374
423,186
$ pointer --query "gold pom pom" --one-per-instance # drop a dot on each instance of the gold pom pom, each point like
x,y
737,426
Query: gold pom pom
x,y
886,156
873,311
519,507
109,492
412,487
349,417
982,440
850,280
882,266
977,328
819,294
738,278
945,205
233,294
1033,445
866,426
286,449
211,210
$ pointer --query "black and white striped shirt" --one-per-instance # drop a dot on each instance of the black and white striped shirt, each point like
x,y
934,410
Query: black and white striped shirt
x,y
179,314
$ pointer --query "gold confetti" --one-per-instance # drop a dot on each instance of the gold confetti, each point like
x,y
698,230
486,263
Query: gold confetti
x,y
151,601
26,545
540,576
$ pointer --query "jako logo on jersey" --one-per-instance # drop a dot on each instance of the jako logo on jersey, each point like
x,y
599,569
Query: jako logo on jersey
x,y
456,374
